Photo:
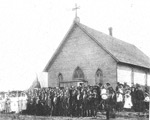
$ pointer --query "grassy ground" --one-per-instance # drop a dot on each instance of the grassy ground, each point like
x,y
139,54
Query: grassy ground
x,y
60,118
101,117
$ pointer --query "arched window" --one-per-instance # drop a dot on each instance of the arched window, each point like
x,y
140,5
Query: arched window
x,y
99,76
60,77
78,73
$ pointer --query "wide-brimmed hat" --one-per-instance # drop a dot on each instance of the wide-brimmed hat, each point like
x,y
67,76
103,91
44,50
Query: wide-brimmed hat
x,y
127,92
146,94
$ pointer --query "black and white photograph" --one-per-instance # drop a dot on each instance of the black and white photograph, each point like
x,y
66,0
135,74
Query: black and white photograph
x,y
74,59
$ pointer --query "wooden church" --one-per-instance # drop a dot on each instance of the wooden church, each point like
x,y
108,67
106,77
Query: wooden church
x,y
88,56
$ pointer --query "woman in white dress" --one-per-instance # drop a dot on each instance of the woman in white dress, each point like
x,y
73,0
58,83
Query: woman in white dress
x,y
128,102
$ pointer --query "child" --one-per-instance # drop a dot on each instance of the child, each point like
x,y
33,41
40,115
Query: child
x,y
128,102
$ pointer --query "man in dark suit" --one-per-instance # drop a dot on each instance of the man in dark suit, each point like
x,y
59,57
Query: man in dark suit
x,y
140,99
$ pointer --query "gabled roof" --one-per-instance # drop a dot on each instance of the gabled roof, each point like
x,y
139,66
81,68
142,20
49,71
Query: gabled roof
x,y
119,50
122,51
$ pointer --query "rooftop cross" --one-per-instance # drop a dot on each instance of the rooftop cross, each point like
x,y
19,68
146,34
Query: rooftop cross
x,y
76,8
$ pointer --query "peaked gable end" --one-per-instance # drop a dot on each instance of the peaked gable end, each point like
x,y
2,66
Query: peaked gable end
x,y
75,24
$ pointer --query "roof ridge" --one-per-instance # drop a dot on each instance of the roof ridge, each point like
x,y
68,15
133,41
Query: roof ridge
x,y
112,37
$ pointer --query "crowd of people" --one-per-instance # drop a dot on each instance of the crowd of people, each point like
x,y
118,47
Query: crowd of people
x,y
13,101
87,100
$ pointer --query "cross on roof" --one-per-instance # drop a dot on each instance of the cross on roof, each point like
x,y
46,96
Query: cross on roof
x,y
76,8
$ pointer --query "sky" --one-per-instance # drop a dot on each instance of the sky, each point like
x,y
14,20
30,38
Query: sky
x,y
31,31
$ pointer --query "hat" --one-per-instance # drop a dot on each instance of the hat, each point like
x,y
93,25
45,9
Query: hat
x,y
137,85
146,94
107,84
100,84
118,83
127,92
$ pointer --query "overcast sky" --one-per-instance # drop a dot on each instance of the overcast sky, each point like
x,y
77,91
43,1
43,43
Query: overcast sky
x,y
31,30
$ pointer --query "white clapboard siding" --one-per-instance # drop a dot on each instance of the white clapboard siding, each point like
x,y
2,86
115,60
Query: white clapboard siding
x,y
148,79
139,77
124,74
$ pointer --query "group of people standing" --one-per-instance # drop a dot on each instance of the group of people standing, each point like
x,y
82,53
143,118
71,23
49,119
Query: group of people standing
x,y
134,98
86,100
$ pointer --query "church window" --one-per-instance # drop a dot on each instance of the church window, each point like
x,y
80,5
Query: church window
x,y
99,76
78,73
60,77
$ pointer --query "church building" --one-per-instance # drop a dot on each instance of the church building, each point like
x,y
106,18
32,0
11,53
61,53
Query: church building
x,y
88,56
